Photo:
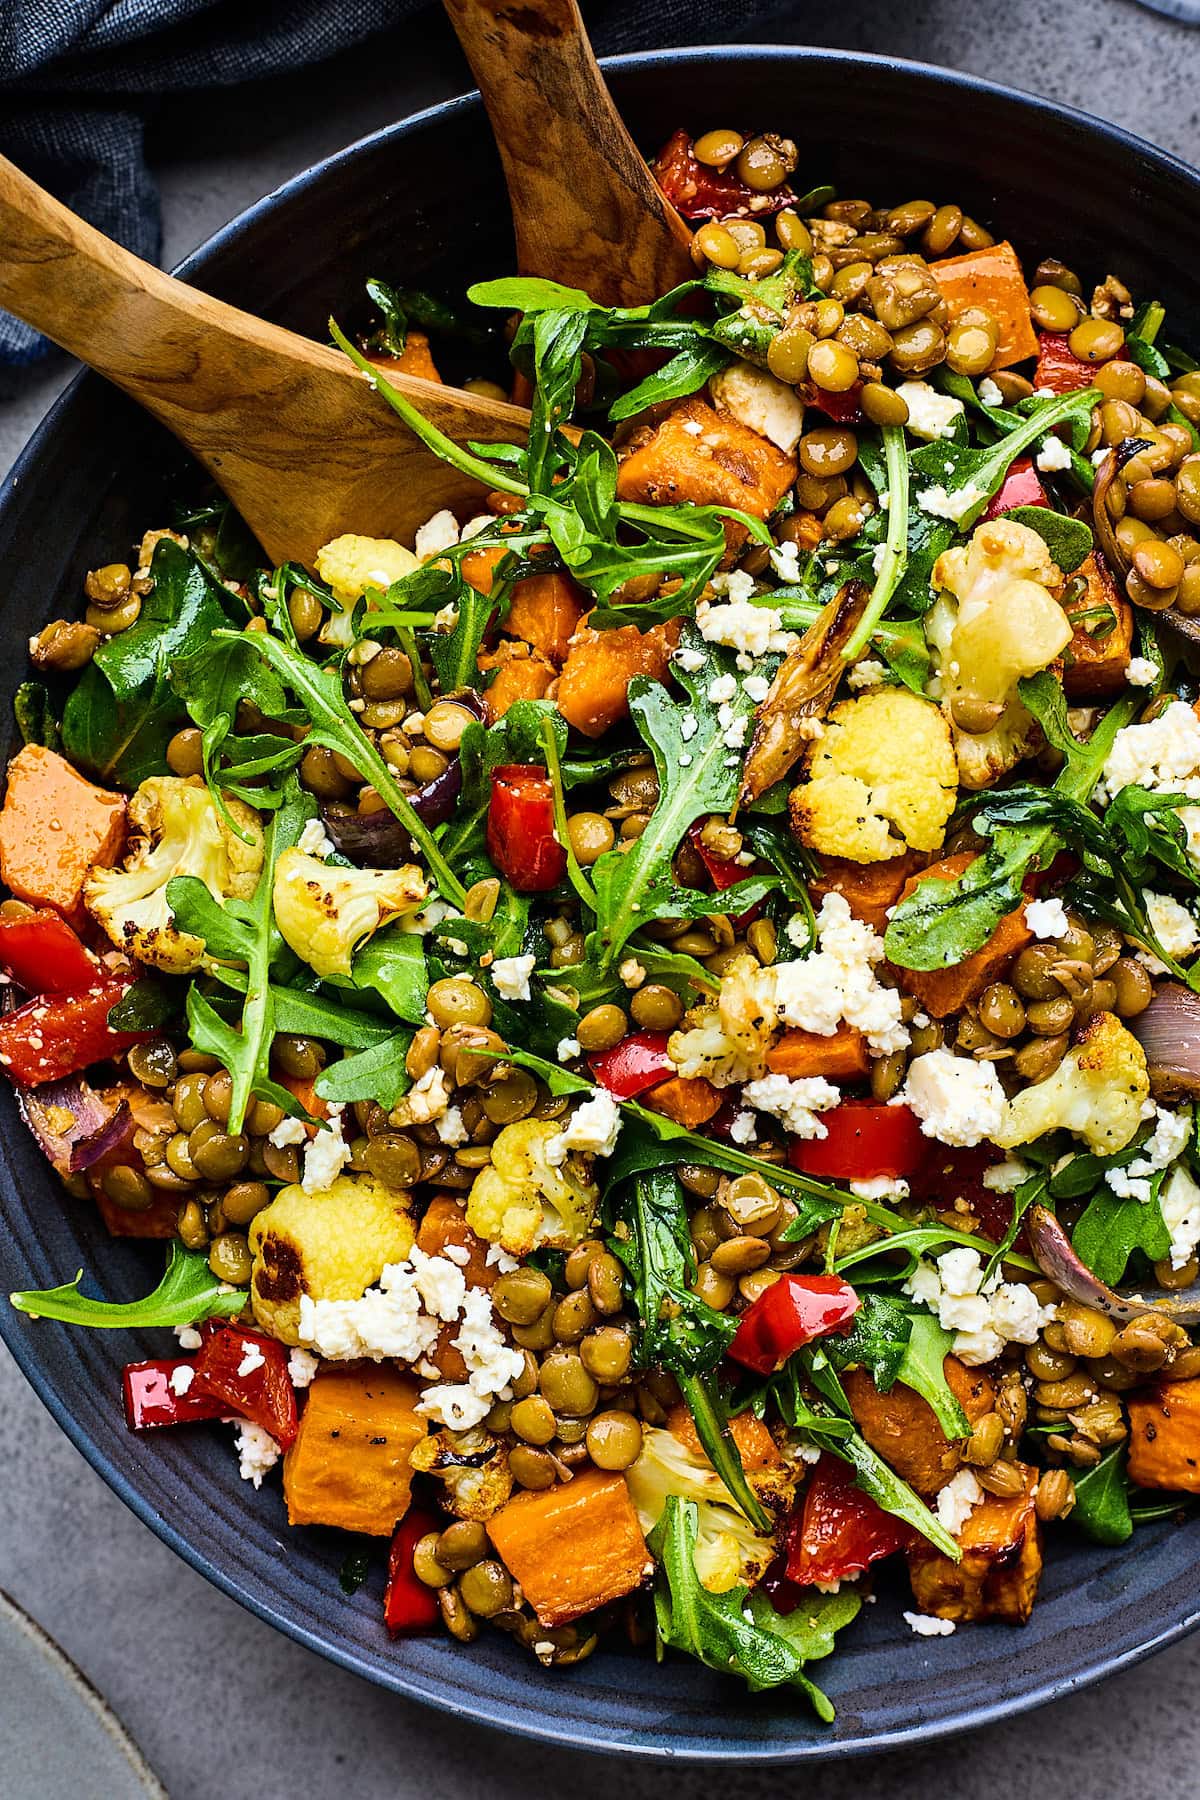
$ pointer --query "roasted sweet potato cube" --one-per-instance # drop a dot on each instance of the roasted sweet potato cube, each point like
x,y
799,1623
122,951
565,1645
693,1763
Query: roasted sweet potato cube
x,y
54,826
945,991
842,1056
415,359
350,1463
519,674
756,1447
904,1428
572,1547
991,279
544,612
1095,661
593,689
696,454
869,889
1001,1564
1164,1437
688,1099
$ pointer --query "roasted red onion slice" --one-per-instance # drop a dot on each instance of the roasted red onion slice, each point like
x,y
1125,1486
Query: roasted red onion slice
x,y
1169,1033
73,1124
378,840
1058,1261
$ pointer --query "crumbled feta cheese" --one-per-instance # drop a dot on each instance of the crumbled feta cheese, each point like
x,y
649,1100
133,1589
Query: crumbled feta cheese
x,y
1167,1141
182,1378
930,414
631,972
1047,918
428,1099
437,534
431,915
880,1187
957,1500
989,393
785,562
794,1103
690,660
837,983
867,673
761,402
189,1338
252,1358
743,1129
257,1451
1164,756
984,1318
1053,455
450,1127
326,1156
1180,1203
953,506
756,630
722,687
592,1127
1006,1177
756,688
567,1048
925,1625
958,1101
510,976
288,1131
689,725
498,1258
1141,672
314,840
1173,926
474,526
302,1366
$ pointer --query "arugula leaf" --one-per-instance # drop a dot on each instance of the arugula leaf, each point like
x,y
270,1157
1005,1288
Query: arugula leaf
x,y
1069,541
122,713
187,1293
877,1340
974,474
1110,1230
767,1650
923,1368
212,683
146,1006
392,962
687,371
894,560
375,1074
1101,1507
35,716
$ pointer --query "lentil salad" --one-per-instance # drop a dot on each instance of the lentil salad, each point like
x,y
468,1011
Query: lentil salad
x,y
618,1245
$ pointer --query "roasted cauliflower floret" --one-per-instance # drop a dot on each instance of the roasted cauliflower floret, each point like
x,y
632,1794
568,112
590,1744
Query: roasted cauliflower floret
x,y
523,1201
325,911
1097,1091
881,779
331,1245
729,1550
472,1467
177,830
350,565
727,1043
995,622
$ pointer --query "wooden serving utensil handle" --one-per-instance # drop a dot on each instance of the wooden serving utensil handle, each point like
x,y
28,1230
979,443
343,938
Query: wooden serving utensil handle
x,y
585,208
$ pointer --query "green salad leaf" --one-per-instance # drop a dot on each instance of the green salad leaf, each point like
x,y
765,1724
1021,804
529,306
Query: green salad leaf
x,y
187,1293
1101,1507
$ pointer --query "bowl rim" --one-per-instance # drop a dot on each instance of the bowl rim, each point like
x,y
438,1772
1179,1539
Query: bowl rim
x,y
508,1715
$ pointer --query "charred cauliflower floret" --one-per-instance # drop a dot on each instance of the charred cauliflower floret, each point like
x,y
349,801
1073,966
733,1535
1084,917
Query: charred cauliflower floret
x,y
1098,1092
325,911
727,1043
881,779
523,1201
995,622
331,1245
729,1551
472,1467
350,565
177,830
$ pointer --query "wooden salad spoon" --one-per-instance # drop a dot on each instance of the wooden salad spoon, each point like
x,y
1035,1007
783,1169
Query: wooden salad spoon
x,y
289,429
586,210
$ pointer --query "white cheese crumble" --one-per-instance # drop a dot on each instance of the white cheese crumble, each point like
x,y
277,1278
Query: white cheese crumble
x,y
989,393
761,402
1167,1141
743,1129
1173,926
795,1104
1164,756
958,1101
510,975
252,1359
450,1127
837,983
1047,918
257,1451
722,687
288,1131
567,1048
983,1317
592,1128
925,1625
314,840
326,1156
1141,672
689,725
930,414
756,688
953,506
756,630
957,1501
690,660
437,534
1006,1177
880,1187
785,562
302,1367
428,1099
188,1337
1053,455
182,1379
867,673
1180,1203
631,972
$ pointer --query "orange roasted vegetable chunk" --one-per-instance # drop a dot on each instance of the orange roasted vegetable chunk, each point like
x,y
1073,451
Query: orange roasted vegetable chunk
x,y
479,566
869,889
594,685
756,1446
1095,660
945,991
349,1465
1164,1437
1001,1562
904,1428
520,674
54,825
573,1547
544,612
688,1099
991,279
721,464
415,359
840,1057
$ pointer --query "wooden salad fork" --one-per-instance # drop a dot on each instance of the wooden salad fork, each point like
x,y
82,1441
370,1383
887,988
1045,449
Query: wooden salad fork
x,y
586,210
289,429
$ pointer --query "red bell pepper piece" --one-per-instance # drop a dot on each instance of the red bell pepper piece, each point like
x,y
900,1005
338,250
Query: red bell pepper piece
x,y
60,1034
844,408
262,1392
792,1312
947,1176
699,192
520,828
723,870
42,954
408,1605
638,1062
1058,367
1020,487
862,1141
150,1400
840,1530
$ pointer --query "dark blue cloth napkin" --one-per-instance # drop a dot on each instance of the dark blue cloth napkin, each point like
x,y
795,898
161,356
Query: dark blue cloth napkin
x,y
77,76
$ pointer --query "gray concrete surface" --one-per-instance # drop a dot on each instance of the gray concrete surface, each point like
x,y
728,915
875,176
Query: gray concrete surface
x,y
222,1705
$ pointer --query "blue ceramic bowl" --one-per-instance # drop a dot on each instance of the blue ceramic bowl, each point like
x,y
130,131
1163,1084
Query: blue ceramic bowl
x,y
424,202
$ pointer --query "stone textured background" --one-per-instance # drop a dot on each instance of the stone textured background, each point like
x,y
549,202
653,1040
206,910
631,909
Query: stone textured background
x,y
223,1706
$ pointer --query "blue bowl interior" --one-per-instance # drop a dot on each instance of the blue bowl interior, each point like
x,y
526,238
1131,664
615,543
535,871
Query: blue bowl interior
x,y
423,204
